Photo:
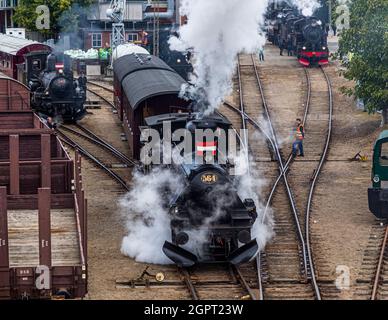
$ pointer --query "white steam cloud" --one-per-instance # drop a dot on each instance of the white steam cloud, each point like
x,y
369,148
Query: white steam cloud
x,y
217,31
148,221
251,186
307,7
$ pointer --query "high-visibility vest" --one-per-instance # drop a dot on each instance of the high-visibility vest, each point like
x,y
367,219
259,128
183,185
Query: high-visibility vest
x,y
299,134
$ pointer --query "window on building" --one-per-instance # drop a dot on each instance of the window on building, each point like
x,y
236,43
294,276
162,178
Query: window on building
x,y
132,37
96,40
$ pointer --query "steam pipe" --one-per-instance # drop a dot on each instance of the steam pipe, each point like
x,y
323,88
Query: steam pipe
x,y
169,14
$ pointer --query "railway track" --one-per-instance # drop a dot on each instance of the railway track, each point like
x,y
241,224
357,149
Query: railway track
x,y
380,284
104,86
99,90
290,251
101,153
293,281
372,281
220,282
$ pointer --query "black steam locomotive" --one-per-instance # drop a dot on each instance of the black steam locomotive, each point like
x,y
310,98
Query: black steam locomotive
x,y
54,91
305,37
209,221
180,62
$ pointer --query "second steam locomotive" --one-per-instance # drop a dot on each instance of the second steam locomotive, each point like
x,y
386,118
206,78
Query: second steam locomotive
x,y
54,90
305,37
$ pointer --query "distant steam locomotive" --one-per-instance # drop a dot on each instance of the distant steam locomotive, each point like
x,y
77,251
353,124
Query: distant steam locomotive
x,y
54,91
306,37
209,221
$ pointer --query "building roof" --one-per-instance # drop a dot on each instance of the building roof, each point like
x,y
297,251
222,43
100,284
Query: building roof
x,y
13,45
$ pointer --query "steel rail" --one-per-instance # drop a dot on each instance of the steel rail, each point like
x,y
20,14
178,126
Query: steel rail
x,y
282,168
102,98
189,283
313,184
100,86
244,127
380,265
274,187
108,145
243,120
91,157
104,145
92,137
243,282
306,111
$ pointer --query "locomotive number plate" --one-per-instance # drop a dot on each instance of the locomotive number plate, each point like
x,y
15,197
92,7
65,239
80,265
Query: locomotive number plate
x,y
209,178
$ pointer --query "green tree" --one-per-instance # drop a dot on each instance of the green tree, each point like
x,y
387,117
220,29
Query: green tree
x,y
367,43
64,14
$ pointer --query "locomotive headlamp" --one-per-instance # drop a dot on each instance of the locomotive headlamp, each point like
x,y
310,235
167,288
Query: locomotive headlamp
x,y
304,48
182,238
376,179
244,236
323,48
178,60
174,210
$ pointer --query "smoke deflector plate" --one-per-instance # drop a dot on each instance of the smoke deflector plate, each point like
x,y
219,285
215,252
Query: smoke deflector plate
x,y
184,258
181,257
244,253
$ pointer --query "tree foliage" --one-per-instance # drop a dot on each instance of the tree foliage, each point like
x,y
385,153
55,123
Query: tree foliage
x,y
65,15
367,43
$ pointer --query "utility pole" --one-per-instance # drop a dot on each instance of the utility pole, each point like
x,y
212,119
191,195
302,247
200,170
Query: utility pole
x,y
156,37
331,32
116,13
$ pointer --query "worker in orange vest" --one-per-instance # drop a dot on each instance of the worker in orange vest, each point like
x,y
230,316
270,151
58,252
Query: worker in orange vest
x,y
299,137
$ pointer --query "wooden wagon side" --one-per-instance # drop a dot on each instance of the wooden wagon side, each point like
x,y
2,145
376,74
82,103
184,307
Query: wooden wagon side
x,y
43,243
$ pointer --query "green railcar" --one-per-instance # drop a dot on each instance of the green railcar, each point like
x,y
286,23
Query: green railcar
x,y
378,193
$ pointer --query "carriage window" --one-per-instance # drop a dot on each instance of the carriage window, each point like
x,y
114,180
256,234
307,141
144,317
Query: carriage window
x,y
36,65
384,154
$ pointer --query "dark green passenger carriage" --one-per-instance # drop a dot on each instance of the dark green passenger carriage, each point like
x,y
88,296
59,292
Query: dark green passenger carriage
x,y
378,193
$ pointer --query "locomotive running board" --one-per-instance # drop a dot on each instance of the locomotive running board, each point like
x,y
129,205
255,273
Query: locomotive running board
x,y
181,257
244,253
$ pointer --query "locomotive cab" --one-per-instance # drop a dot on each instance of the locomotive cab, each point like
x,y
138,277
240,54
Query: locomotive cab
x,y
378,193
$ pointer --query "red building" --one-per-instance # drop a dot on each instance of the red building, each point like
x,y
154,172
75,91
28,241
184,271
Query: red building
x,y
98,35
